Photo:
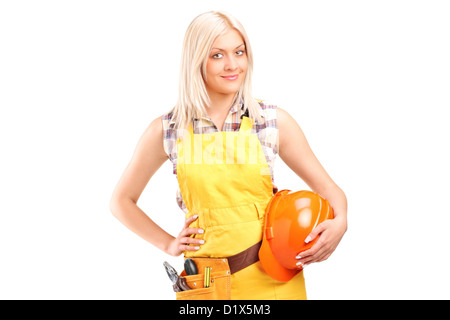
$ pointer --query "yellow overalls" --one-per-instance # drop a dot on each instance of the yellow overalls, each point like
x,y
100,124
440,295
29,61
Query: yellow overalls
x,y
224,179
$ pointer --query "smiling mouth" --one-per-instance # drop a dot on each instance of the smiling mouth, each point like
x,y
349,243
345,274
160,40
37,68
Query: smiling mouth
x,y
232,77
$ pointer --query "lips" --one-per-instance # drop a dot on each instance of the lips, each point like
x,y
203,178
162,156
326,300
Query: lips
x,y
231,77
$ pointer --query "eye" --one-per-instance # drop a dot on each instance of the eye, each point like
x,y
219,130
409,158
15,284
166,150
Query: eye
x,y
240,52
217,56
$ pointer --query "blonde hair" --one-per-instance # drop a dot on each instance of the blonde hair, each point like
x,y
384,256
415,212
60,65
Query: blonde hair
x,y
192,95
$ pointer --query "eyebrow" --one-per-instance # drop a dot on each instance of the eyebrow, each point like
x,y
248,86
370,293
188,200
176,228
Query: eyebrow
x,y
224,50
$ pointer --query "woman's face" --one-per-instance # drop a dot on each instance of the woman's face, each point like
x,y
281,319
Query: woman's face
x,y
227,64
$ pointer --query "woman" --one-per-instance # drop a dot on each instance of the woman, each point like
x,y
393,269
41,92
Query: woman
x,y
222,143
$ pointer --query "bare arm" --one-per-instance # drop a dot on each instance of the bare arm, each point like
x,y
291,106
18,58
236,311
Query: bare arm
x,y
147,158
295,151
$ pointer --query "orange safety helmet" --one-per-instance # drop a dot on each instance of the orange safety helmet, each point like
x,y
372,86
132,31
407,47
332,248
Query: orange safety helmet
x,y
290,218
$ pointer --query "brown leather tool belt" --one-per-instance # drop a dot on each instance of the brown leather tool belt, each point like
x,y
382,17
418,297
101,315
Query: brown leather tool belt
x,y
193,287
244,259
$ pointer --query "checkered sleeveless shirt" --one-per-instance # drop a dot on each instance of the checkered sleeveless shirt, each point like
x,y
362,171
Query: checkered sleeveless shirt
x,y
266,132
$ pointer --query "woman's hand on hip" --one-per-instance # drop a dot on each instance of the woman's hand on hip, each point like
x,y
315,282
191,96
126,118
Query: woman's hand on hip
x,y
183,242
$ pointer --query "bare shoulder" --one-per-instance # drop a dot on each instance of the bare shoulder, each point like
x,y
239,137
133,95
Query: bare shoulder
x,y
284,118
155,127
291,136
152,139
287,125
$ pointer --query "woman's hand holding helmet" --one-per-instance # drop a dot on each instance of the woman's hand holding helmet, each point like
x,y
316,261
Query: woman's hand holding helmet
x,y
330,233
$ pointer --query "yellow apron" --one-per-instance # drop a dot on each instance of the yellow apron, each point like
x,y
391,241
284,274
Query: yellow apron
x,y
224,179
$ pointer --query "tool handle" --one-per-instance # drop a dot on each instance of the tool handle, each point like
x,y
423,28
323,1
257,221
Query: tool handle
x,y
190,267
207,279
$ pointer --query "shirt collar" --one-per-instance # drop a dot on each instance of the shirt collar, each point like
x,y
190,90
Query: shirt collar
x,y
235,108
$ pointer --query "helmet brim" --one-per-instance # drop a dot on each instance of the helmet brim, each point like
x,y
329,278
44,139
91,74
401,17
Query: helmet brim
x,y
272,267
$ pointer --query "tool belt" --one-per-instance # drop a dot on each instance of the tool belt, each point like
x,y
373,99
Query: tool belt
x,y
218,287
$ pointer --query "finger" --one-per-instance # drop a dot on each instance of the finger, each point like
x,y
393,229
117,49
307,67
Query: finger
x,y
186,247
307,259
190,231
190,240
303,264
304,254
312,258
321,254
313,251
189,220
316,231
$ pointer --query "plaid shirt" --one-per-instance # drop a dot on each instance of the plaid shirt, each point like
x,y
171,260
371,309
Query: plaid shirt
x,y
267,134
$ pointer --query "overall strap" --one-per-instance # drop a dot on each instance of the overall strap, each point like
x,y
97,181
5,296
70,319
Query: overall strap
x,y
246,125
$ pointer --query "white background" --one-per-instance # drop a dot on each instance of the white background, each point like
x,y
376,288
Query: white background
x,y
368,82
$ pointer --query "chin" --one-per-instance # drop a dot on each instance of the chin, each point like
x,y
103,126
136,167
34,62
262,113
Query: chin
x,y
230,89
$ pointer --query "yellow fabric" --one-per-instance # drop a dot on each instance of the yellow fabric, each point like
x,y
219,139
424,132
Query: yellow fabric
x,y
224,179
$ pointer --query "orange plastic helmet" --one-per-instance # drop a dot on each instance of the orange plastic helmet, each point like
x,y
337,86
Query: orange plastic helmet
x,y
290,218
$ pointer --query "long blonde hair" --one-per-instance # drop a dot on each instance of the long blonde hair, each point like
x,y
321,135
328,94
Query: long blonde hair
x,y
192,95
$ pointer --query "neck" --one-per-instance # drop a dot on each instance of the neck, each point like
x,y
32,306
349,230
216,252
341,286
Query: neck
x,y
219,103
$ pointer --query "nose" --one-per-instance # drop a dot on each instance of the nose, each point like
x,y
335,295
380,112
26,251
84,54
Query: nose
x,y
230,63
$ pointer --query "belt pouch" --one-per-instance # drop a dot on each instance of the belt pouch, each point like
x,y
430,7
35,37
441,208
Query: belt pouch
x,y
220,285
